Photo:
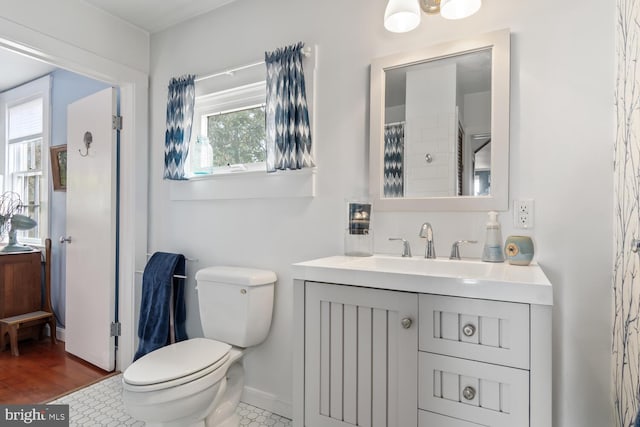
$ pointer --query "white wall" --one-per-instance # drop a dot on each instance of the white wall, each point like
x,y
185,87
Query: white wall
x,y
477,119
394,114
561,140
83,26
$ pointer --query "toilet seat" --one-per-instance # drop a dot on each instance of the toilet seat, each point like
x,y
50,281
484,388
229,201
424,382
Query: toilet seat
x,y
176,364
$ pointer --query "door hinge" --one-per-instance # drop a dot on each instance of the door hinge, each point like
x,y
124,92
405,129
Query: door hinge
x,y
115,329
116,122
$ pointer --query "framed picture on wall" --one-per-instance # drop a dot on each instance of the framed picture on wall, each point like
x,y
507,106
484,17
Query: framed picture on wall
x,y
59,167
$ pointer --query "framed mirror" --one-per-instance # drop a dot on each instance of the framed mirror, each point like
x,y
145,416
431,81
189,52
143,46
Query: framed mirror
x,y
440,127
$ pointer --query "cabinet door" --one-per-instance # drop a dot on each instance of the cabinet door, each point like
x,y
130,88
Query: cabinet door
x,y
20,284
360,357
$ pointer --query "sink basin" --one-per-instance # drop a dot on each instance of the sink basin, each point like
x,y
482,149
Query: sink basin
x,y
465,278
464,269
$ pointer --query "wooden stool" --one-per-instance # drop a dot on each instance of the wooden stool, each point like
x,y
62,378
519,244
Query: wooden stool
x,y
10,326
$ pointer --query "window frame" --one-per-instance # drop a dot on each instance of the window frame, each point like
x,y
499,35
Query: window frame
x,y
39,88
220,102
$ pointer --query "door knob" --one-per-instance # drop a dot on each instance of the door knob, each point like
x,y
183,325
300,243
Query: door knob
x,y
635,246
469,393
468,330
65,239
406,322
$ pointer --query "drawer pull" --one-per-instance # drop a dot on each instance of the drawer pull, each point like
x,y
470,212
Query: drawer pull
x,y
468,330
406,322
469,393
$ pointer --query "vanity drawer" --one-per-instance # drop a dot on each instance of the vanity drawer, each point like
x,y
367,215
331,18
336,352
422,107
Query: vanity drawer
x,y
487,331
429,419
486,394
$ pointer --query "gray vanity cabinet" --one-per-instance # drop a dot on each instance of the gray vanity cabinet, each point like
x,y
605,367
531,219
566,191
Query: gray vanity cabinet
x,y
376,357
379,348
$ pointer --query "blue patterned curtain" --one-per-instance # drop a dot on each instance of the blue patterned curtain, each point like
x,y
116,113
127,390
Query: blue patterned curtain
x,y
180,104
287,116
393,160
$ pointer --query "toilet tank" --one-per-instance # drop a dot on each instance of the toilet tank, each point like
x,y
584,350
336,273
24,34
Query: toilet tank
x,y
236,304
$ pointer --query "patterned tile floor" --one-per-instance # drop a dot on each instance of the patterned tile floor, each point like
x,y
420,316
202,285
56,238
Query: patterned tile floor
x,y
101,405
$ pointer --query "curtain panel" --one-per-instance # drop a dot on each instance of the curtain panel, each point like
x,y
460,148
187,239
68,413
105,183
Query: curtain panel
x,y
180,105
288,134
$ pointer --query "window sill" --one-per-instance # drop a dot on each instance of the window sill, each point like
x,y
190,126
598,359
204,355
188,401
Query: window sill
x,y
246,185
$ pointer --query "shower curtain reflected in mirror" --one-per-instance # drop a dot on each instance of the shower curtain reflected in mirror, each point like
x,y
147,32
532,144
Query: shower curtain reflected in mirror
x,y
393,160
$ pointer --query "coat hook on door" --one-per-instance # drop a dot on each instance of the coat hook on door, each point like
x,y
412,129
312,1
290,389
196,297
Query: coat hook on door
x,y
88,139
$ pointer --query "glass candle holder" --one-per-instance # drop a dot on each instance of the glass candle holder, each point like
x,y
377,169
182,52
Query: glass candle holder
x,y
358,244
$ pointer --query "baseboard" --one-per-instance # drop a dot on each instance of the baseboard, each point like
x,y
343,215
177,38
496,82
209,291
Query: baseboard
x,y
270,402
60,333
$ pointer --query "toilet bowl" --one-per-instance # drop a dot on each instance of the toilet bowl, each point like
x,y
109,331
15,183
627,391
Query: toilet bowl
x,y
198,382
178,385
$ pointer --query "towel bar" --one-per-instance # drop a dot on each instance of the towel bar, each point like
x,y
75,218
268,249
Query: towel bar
x,y
186,259
177,276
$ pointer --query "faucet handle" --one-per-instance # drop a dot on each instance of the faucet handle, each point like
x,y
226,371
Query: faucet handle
x,y
455,248
406,248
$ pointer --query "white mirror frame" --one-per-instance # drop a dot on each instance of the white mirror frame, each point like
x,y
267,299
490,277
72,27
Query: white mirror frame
x,y
499,42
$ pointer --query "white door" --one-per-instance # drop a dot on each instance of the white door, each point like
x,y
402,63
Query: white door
x,y
91,228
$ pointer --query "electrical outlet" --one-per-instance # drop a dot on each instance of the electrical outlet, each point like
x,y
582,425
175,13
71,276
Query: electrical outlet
x,y
523,213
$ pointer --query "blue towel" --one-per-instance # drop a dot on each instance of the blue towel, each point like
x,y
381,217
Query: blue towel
x,y
157,284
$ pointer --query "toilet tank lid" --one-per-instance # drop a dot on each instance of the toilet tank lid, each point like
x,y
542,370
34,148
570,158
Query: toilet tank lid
x,y
236,275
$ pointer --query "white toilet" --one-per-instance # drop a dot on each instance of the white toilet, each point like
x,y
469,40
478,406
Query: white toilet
x,y
198,382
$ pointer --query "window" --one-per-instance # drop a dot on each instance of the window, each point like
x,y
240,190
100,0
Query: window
x,y
229,131
26,134
237,137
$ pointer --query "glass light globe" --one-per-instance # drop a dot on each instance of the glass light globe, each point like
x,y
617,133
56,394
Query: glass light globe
x,y
401,16
458,9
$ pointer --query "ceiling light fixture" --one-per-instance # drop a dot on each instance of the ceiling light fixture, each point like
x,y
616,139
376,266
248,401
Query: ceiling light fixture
x,y
458,9
402,16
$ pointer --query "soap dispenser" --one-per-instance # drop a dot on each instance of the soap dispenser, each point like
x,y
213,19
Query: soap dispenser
x,y
492,251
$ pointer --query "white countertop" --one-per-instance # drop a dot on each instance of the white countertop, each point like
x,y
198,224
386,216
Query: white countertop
x,y
463,278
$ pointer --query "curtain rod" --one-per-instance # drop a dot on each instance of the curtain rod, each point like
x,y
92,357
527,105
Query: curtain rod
x,y
395,123
306,51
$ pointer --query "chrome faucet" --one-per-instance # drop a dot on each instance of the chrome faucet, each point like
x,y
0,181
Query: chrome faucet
x,y
455,248
426,232
406,248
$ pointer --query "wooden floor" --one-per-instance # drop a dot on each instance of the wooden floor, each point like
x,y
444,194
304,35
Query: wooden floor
x,y
42,372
